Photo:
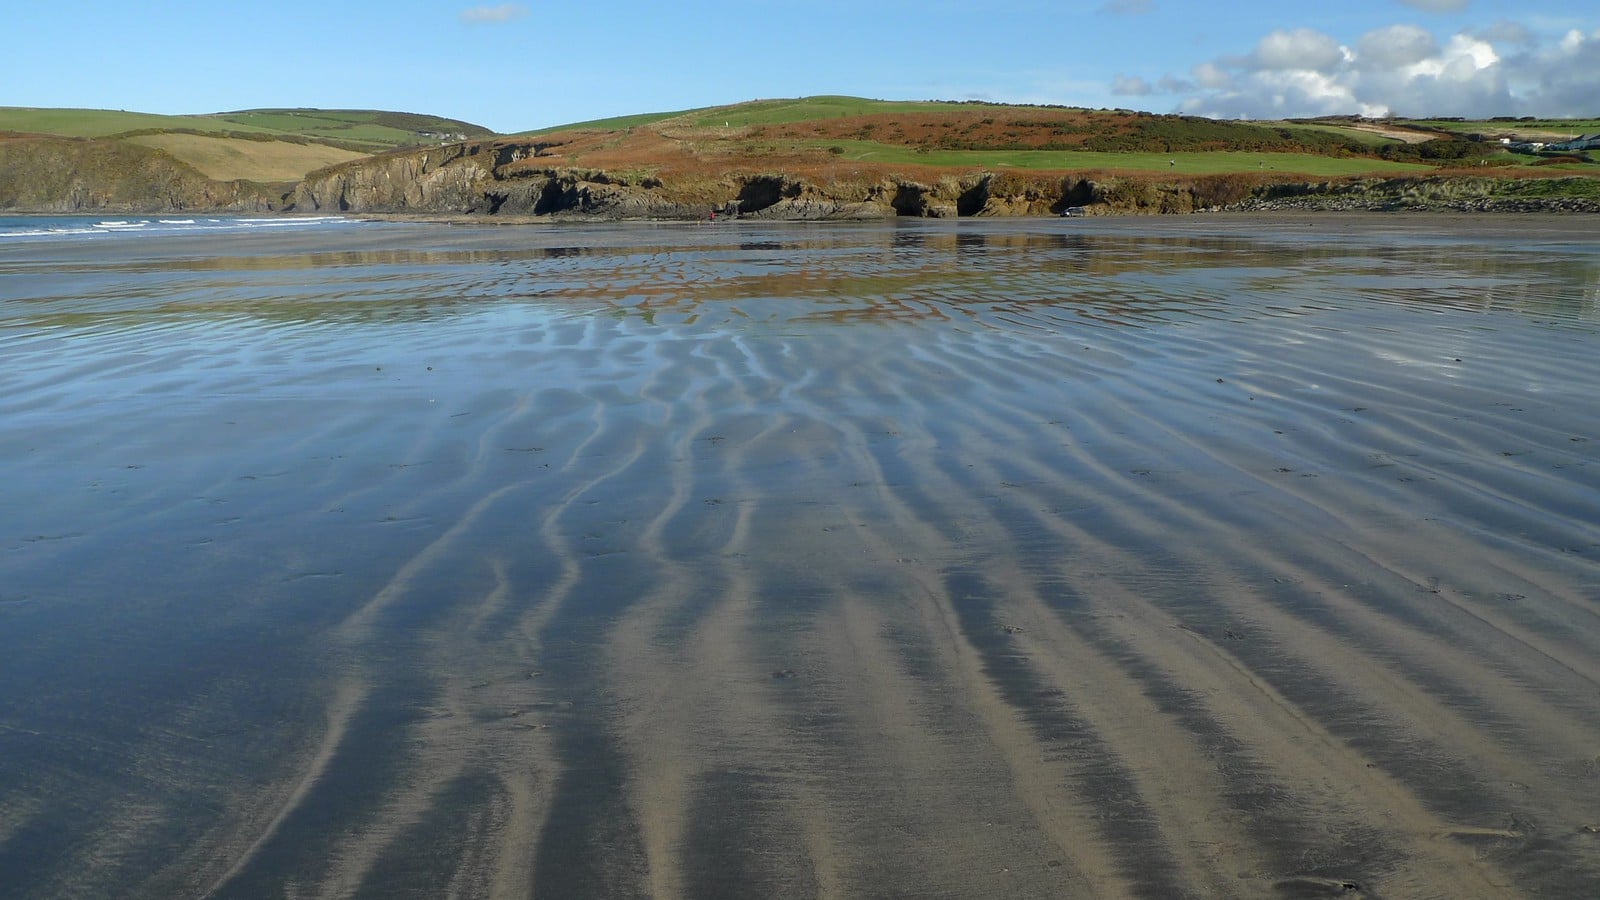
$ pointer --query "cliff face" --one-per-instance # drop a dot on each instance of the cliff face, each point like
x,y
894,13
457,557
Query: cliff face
x,y
443,179
462,179
507,178
67,176
1458,194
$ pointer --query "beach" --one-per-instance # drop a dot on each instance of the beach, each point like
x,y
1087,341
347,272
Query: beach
x,y
1209,556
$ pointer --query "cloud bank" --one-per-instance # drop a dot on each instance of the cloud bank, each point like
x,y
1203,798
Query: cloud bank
x,y
1401,70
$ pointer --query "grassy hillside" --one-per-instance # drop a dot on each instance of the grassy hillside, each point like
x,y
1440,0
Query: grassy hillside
x,y
1528,129
806,109
375,130
226,159
613,123
831,137
92,123
45,174
264,145
355,129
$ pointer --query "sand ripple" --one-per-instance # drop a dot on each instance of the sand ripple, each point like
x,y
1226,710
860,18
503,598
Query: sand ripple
x,y
941,560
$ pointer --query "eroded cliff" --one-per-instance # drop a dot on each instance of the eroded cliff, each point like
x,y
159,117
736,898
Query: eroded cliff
x,y
515,178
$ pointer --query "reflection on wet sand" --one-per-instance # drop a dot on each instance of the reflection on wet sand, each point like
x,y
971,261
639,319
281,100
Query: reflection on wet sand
x,y
1049,559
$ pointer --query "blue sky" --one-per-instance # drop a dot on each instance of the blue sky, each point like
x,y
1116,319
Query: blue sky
x,y
530,64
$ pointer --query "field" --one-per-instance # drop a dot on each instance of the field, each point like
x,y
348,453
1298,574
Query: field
x,y
613,123
266,145
377,129
806,134
368,130
806,109
94,123
226,159
1530,129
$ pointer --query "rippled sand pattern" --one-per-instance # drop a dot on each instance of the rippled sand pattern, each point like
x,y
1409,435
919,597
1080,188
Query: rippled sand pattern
x,y
1018,559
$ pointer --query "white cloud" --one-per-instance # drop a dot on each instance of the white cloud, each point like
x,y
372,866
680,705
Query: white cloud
x,y
1212,76
1394,47
1503,69
1558,80
1505,32
490,15
1130,86
1302,48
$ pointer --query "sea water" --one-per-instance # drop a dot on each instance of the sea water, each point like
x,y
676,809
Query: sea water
x,y
57,228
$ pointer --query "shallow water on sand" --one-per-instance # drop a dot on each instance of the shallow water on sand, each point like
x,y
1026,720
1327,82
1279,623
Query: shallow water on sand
x,y
1209,557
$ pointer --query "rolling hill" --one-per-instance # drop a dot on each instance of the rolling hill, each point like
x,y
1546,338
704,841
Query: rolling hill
x,y
261,145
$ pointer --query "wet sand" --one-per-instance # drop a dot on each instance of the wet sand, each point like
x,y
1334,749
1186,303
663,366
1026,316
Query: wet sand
x,y
1212,557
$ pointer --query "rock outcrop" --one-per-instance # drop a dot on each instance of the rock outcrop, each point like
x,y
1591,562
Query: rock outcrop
x,y
1460,194
488,178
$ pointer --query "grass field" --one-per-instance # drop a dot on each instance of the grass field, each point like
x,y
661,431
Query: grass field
x,y
371,130
1537,129
264,145
1361,136
225,159
805,109
614,123
102,122
386,129
902,132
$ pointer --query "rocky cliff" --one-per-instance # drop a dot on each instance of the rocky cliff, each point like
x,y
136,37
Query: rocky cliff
x,y
60,175
1457,194
513,178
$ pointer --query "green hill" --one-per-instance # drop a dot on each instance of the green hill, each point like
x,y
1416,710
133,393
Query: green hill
x,y
259,145
992,135
363,130
377,129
